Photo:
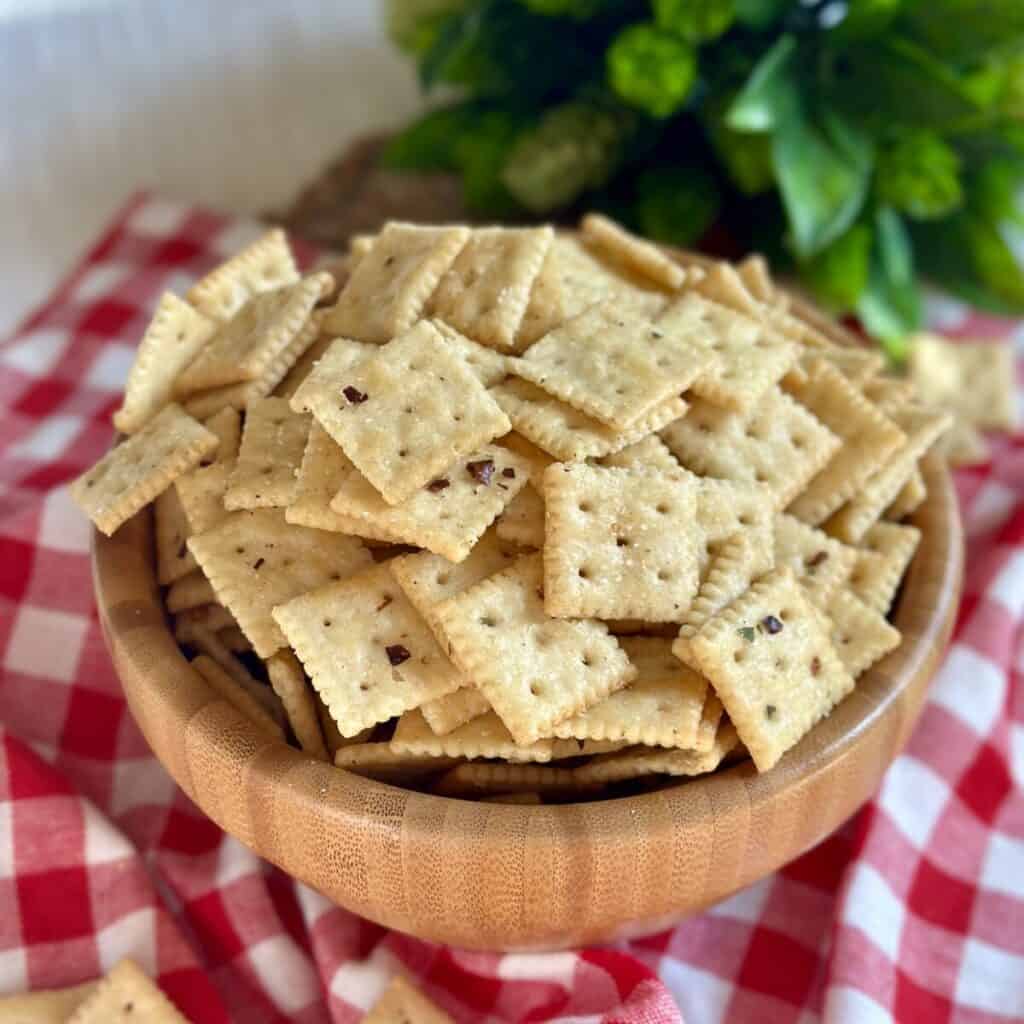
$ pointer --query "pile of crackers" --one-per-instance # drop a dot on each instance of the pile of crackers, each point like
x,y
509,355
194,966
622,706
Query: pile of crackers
x,y
518,515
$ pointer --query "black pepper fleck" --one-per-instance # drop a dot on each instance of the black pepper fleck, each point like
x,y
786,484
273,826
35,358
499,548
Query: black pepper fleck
x,y
438,485
258,563
509,472
481,471
769,710
397,654
772,624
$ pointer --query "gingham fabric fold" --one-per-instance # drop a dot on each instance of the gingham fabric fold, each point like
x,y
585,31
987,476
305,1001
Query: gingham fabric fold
x,y
914,911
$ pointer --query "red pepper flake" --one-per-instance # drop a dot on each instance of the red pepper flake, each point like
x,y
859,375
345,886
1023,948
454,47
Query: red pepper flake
x,y
397,654
509,472
772,624
815,665
481,471
816,560
540,593
438,485
354,395
259,561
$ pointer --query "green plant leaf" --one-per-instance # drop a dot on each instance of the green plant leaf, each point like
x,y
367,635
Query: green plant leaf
x,y
890,304
429,143
823,168
892,82
770,92
865,19
919,175
412,24
696,21
962,29
651,69
759,14
675,204
747,157
838,275
576,147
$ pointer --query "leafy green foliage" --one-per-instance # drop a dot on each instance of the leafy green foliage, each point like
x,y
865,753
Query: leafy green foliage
x,y
652,69
865,141
919,175
695,20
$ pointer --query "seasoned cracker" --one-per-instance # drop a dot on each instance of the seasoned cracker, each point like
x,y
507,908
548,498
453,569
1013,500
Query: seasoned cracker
x,y
533,669
428,579
485,291
910,498
819,562
256,560
126,996
650,453
754,273
881,562
44,1006
213,616
172,340
860,634
264,265
201,493
770,660
565,432
573,279
369,653
779,444
731,568
613,367
401,1003
749,357
289,683
857,365
538,459
390,285
855,518
636,762
454,709
522,521
408,412
726,507
227,425
451,513
620,543
868,437
965,445
303,366
379,761
974,380
477,779
661,707
635,253
273,443
189,591
248,346
236,695
134,472
330,372
483,737
174,561
488,365
324,469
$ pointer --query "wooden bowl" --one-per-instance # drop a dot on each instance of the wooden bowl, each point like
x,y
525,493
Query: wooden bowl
x,y
490,876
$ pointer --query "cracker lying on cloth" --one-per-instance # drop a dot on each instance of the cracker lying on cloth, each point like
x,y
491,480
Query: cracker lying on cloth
x,y
131,475
125,996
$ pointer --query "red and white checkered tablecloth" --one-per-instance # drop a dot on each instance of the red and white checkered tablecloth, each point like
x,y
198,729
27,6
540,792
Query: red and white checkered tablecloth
x,y
914,911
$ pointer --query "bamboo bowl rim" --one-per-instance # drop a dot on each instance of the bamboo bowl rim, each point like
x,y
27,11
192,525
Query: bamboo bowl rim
x,y
188,724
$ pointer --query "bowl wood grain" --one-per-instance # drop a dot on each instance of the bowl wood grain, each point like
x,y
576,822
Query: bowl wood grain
x,y
491,876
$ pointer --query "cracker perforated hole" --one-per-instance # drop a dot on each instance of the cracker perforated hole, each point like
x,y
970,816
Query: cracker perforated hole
x,y
442,579
622,542
490,621
536,689
584,506
739,656
663,508
664,575
584,573
240,551
780,664
327,623
785,614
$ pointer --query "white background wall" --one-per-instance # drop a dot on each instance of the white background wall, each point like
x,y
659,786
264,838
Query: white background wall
x,y
233,103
